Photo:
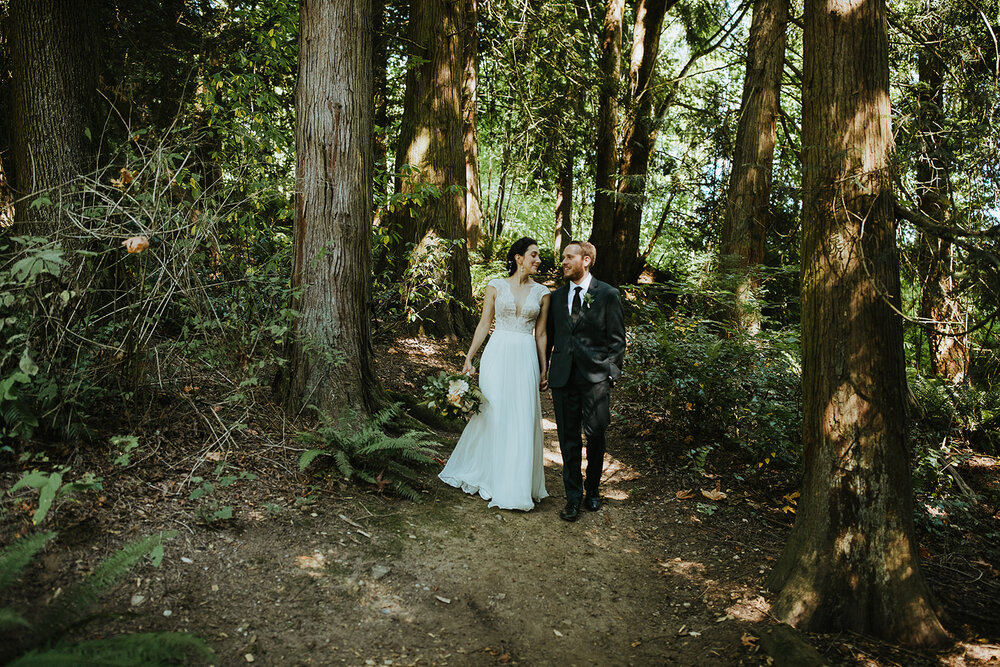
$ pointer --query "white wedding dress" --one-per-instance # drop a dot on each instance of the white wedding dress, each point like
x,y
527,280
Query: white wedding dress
x,y
499,455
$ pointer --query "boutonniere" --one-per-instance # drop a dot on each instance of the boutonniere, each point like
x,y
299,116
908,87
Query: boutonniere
x,y
588,299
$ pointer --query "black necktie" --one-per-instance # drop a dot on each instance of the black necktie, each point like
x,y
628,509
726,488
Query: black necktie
x,y
575,313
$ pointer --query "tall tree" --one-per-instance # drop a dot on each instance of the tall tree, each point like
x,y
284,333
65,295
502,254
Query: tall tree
x,y
564,203
331,357
470,102
851,561
431,146
746,222
939,307
53,85
619,263
606,157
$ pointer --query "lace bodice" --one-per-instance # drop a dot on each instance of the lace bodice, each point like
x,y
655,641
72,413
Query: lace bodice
x,y
505,309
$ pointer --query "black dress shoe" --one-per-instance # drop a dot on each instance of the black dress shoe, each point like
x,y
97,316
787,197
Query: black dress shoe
x,y
571,512
593,503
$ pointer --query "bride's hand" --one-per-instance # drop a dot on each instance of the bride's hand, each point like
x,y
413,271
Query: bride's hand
x,y
468,368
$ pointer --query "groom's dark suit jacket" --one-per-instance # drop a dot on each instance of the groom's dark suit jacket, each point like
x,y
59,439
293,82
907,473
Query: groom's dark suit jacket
x,y
595,345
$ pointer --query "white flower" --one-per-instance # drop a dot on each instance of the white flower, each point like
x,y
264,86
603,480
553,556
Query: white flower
x,y
458,387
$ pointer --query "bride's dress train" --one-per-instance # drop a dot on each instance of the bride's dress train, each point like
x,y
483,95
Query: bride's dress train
x,y
499,455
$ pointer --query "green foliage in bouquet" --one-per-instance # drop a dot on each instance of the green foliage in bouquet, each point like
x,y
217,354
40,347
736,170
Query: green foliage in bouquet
x,y
452,395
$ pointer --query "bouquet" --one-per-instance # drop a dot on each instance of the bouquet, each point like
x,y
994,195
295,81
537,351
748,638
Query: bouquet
x,y
452,395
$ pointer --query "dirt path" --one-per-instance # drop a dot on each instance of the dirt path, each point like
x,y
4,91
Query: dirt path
x,y
365,580
313,572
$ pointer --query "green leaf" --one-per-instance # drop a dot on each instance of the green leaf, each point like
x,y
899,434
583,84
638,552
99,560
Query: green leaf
x,y
156,555
46,495
27,365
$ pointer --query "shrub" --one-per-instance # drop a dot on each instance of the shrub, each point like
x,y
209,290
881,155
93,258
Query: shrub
x,y
711,391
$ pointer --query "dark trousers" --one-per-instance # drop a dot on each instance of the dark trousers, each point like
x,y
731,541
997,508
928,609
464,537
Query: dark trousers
x,y
581,406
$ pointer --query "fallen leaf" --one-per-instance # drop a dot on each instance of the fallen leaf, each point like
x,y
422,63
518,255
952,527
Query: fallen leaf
x,y
748,639
441,599
393,350
684,494
714,494
634,644
135,244
558,634
214,456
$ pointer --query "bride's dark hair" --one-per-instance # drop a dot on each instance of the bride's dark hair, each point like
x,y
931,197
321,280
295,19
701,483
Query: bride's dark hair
x,y
519,247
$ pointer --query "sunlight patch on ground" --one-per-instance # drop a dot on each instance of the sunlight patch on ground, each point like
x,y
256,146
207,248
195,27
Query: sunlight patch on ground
x,y
313,564
548,424
977,652
684,568
752,611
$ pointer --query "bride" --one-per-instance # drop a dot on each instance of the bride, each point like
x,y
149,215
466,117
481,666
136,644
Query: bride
x,y
499,455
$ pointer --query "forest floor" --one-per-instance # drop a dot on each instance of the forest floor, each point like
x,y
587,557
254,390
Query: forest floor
x,y
310,571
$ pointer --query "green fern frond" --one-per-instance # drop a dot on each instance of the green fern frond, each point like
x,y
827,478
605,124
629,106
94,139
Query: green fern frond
x,y
343,463
154,648
11,619
71,606
16,556
404,490
310,456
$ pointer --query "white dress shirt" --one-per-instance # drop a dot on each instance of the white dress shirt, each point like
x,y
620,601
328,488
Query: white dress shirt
x,y
585,284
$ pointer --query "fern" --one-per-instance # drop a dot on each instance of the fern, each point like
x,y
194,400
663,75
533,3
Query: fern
x,y
11,619
16,556
139,649
69,607
368,453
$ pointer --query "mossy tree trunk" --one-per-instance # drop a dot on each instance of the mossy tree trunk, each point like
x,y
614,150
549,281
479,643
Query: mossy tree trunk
x,y
748,198
949,355
331,358
619,256
53,88
851,561
606,148
432,147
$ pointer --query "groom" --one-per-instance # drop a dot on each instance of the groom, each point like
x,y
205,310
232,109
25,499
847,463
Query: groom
x,y
586,332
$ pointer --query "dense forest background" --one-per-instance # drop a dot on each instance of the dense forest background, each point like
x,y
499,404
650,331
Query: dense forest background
x,y
246,199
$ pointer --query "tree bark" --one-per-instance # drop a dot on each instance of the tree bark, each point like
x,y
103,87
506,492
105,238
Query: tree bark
x,y
431,140
380,57
746,222
851,561
620,258
949,354
470,102
564,204
53,86
606,154
331,360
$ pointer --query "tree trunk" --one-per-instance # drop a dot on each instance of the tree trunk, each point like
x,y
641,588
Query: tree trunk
x,y
380,57
331,360
564,204
851,561
746,223
470,101
431,140
606,158
620,258
949,355
53,86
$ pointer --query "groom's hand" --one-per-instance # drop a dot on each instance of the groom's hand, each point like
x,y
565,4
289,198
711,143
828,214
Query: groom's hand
x,y
544,384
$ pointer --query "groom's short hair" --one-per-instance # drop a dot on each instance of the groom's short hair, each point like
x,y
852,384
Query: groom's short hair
x,y
587,249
